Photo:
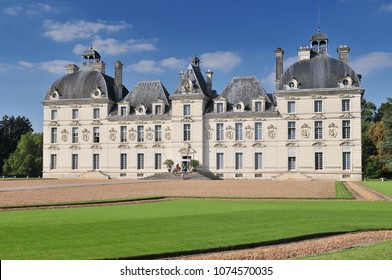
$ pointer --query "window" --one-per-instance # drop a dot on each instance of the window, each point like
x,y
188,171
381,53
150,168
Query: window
x,y
53,115
158,161
95,134
258,131
219,161
239,131
140,161
123,133
318,106
141,110
187,132
219,107
258,107
123,161
219,132
346,105
346,129
318,161
239,162
95,161
258,160
53,135
75,161
123,111
291,130
291,107
75,135
96,113
292,163
318,130
158,133
75,114
53,161
158,109
140,133
187,110
346,161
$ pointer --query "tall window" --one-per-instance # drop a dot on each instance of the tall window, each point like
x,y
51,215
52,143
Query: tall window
x,y
75,114
140,161
318,160
258,106
140,133
219,161
292,166
158,133
96,113
187,132
75,161
96,134
258,160
53,135
75,135
95,161
53,115
158,161
123,161
158,109
187,109
346,129
290,106
346,161
123,111
318,130
345,105
123,133
219,132
318,106
291,130
239,161
239,133
53,161
219,107
258,131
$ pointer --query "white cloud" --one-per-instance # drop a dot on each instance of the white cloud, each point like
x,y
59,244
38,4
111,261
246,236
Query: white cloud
x,y
12,10
372,62
25,64
219,60
30,10
173,63
55,66
72,30
386,7
146,66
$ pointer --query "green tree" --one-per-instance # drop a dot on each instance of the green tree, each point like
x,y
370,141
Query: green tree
x,y
11,130
386,110
27,158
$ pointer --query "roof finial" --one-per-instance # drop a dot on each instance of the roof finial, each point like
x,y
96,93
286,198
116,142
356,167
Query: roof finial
x,y
318,16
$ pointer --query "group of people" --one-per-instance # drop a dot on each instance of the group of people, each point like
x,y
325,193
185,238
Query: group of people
x,y
180,169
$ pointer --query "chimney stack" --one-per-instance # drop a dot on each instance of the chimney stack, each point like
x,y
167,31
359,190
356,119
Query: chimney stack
x,y
278,65
118,66
72,68
343,53
209,74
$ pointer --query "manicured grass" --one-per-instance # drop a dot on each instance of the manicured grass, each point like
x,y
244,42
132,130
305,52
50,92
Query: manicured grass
x,y
152,228
342,191
378,251
382,187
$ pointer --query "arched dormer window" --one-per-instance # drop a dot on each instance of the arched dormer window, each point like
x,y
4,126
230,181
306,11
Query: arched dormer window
x,y
54,95
346,82
292,85
140,110
96,93
239,107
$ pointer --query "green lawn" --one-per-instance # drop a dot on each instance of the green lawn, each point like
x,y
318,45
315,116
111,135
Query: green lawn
x,y
382,187
172,226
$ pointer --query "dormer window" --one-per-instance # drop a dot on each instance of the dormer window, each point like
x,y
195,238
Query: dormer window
x,y
158,107
239,107
346,82
96,93
219,107
292,85
54,95
258,105
141,110
123,111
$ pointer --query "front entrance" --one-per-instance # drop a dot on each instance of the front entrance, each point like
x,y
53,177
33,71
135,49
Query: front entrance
x,y
185,161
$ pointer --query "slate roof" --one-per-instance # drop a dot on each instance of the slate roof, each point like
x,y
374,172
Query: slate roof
x,y
147,92
81,84
194,74
320,71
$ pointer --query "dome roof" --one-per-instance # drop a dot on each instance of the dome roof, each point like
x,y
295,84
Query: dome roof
x,y
82,84
319,36
320,71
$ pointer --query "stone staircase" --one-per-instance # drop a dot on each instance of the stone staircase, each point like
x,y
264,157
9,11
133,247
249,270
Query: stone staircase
x,y
198,175
295,176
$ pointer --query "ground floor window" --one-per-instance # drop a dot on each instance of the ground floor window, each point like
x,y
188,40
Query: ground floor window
x,y
53,161
239,161
95,161
258,160
292,166
140,161
75,161
219,161
123,161
346,160
318,161
158,161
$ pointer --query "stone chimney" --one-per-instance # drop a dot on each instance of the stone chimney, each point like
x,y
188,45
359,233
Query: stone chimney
x,y
278,65
118,66
72,68
304,52
343,53
209,74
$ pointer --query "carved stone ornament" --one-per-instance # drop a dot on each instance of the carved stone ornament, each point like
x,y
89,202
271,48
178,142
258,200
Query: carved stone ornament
x,y
305,131
149,136
333,133
85,135
249,134
64,136
132,136
112,135
271,131
168,136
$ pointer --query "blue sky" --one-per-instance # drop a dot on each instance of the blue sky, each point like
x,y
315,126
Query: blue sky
x,y
157,39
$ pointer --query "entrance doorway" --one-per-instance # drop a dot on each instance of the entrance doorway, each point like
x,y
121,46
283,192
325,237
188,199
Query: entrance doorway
x,y
185,161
